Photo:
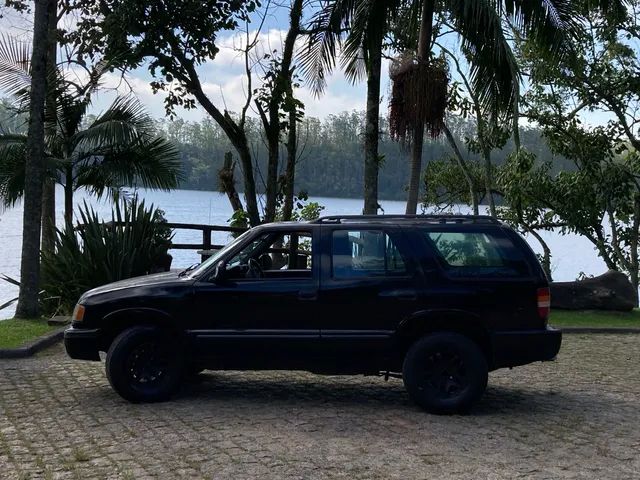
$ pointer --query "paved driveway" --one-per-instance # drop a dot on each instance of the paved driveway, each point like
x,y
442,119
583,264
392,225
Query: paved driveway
x,y
576,418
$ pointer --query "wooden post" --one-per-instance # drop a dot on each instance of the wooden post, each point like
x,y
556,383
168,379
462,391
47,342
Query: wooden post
x,y
206,242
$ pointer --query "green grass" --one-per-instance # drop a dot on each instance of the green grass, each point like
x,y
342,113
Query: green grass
x,y
594,318
16,332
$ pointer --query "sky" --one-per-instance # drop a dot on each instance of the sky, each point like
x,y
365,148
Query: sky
x,y
223,78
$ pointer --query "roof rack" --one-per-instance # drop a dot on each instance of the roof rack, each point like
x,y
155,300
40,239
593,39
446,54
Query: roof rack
x,y
408,218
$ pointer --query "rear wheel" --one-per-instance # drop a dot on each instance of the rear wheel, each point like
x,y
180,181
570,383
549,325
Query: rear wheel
x,y
445,373
143,365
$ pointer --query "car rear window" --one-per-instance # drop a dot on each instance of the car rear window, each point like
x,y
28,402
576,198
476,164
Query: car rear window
x,y
478,254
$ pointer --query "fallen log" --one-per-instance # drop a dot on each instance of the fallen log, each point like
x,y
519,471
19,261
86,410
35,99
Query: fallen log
x,y
609,291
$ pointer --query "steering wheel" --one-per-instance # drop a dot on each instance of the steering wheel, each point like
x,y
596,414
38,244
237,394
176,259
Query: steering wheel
x,y
255,270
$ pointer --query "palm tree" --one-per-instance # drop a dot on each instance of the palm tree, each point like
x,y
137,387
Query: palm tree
x,y
117,148
367,23
479,24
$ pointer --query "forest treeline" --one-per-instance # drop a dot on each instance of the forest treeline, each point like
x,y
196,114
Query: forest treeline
x,y
330,157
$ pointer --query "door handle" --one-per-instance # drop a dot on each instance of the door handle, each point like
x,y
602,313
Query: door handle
x,y
308,295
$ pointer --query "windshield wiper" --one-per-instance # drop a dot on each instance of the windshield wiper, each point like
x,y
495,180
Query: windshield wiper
x,y
188,269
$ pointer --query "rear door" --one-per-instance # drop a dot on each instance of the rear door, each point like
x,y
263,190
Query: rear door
x,y
368,285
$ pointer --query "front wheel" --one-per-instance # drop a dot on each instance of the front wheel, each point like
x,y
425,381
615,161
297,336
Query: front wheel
x,y
143,365
445,373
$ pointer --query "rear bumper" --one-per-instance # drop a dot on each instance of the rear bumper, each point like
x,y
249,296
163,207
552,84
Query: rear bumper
x,y
82,344
525,346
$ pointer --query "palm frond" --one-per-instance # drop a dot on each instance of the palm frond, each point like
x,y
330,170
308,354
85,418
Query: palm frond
x,y
123,124
6,304
318,56
495,75
15,57
12,164
551,23
367,28
153,164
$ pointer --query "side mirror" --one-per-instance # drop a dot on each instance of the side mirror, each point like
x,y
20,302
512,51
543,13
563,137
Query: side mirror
x,y
219,272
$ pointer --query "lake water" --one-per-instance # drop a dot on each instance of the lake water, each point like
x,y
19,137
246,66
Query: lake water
x,y
572,254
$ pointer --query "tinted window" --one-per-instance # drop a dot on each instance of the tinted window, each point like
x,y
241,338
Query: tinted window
x,y
478,253
365,253
275,252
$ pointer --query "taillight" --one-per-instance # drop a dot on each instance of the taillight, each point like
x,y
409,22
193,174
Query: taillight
x,y
544,303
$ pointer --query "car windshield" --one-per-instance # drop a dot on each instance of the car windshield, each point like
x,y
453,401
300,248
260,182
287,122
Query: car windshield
x,y
216,256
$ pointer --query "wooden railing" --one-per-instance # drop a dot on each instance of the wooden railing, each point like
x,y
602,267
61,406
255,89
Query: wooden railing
x,y
206,248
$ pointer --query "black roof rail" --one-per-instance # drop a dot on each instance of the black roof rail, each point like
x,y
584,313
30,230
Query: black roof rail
x,y
415,218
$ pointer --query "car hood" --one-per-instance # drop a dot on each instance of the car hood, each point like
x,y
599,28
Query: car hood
x,y
156,279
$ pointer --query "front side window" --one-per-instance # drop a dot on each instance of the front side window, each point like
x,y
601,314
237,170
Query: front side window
x,y
274,255
478,254
365,253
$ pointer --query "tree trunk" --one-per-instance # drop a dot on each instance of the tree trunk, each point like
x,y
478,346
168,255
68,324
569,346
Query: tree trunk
x,y
238,138
290,170
546,253
28,306
273,142
49,185
464,167
372,128
250,194
68,197
48,215
416,169
634,261
488,181
282,88
424,42
228,183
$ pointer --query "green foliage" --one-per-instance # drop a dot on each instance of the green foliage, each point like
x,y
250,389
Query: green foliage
x,y
96,253
275,88
239,219
444,187
170,36
354,27
600,76
303,209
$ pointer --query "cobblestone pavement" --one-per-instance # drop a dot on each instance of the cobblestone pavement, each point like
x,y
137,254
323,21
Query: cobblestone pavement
x,y
576,418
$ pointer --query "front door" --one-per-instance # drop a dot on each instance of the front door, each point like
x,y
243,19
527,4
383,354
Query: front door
x,y
260,314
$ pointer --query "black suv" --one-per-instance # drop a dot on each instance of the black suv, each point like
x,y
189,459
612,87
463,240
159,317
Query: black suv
x,y
437,300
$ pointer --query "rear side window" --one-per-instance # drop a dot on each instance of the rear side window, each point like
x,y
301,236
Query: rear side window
x,y
478,254
365,253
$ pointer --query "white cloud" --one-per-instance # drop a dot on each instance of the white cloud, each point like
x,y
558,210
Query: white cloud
x,y
224,79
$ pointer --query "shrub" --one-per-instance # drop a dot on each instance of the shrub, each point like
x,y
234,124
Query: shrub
x,y
96,253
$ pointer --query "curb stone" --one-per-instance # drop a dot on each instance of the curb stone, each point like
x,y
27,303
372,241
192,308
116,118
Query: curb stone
x,y
598,330
34,347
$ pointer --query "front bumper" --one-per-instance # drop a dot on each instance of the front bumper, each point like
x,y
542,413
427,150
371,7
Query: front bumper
x,y
525,346
82,344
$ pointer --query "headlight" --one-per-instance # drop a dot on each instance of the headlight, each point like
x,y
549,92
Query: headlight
x,y
78,313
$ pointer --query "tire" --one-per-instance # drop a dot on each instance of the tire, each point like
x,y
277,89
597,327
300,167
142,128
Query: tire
x,y
144,365
445,373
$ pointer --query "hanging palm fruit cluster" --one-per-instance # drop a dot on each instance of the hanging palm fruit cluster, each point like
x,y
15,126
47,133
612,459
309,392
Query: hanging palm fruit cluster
x,y
418,94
